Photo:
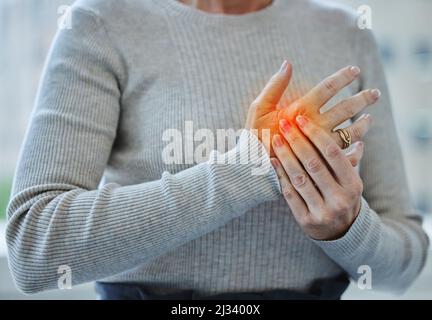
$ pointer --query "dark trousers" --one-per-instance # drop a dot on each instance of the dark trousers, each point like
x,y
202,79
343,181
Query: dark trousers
x,y
328,289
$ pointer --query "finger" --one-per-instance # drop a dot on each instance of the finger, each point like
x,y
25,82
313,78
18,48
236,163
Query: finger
x,y
309,158
291,196
332,153
357,130
329,87
355,155
299,178
274,89
348,108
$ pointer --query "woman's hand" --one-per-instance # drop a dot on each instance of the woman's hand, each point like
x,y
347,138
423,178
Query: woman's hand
x,y
266,112
263,114
319,183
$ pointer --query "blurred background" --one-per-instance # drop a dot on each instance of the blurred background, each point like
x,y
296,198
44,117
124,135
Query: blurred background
x,y
404,32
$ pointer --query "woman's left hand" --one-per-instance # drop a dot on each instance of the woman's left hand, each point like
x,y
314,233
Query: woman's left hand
x,y
324,199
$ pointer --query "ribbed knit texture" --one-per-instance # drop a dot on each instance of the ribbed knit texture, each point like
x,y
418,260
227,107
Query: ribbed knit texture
x,y
129,70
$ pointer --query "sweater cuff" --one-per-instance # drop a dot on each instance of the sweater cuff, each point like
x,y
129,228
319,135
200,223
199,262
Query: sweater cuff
x,y
250,163
361,239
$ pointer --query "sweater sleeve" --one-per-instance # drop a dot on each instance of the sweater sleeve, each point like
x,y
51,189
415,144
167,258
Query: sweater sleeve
x,y
387,235
57,214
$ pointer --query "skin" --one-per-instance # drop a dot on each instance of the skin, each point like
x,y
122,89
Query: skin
x,y
228,6
265,112
318,180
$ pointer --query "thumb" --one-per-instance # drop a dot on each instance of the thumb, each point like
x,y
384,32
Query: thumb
x,y
274,89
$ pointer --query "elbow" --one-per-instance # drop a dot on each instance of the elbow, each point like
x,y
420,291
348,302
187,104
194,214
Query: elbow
x,y
402,280
415,265
27,285
30,273
411,277
396,283
398,288
30,257
30,268
407,262
27,277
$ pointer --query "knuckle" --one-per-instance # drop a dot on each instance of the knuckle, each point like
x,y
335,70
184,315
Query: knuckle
x,y
319,220
299,180
342,108
331,85
357,188
354,162
314,165
299,107
349,109
287,193
332,151
357,133
340,205
328,219
306,221
276,80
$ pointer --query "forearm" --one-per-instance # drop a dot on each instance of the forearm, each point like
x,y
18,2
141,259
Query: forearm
x,y
393,249
102,232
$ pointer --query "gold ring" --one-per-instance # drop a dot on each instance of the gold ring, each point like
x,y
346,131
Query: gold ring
x,y
345,137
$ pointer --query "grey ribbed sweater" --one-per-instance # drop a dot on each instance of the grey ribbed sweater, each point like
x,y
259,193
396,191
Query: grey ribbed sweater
x,y
129,70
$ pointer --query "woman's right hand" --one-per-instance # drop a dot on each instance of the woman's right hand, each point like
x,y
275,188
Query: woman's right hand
x,y
265,112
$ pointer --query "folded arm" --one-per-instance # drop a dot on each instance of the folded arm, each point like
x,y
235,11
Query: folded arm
x,y
57,214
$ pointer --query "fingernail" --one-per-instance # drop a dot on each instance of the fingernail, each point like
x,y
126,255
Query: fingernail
x,y
364,116
375,93
355,70
277,141
367,116
285,125
302,121
284,67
